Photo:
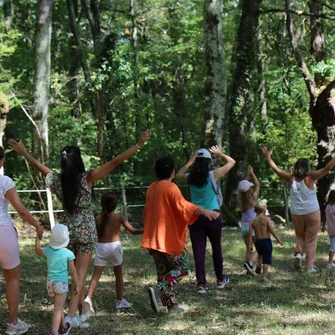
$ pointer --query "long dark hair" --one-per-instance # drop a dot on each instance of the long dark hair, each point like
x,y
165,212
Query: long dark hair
x,y
301,169
199,172
72,167
108,205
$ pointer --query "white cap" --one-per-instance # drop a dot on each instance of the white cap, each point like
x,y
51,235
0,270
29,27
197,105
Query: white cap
x,y
59,236
203,153
244,185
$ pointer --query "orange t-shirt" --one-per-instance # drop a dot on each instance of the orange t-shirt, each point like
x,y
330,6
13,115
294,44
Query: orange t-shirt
x,y
166,217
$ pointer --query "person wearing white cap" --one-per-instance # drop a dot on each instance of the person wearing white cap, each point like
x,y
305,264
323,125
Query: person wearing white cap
x,y
204,193
60,261
247,197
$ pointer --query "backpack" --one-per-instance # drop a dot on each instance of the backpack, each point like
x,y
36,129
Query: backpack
x,y
217,188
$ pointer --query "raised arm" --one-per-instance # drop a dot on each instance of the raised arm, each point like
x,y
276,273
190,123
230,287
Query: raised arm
x,y
38,248
15,201
230,162
105,169
255,180
318,174
181,173
281,174
19,148
130,228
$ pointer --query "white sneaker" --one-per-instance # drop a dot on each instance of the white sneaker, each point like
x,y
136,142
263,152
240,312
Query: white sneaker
x,y
176,309
313,270
122,304
297,262
75,321
20,328
330,265
88,302
83,317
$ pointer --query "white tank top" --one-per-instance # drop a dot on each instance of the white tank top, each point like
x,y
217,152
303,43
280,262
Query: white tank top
x,y
6,184
303,199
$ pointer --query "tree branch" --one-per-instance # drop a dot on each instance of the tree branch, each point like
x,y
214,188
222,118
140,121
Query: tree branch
x,y
296,12
309,81
326,5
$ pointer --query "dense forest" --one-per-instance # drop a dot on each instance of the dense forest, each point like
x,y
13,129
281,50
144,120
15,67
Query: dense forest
x,y
237,73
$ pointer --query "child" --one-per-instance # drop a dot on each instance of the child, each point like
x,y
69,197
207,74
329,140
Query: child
x,y
262,227
330,219
247,197
109,250
60,262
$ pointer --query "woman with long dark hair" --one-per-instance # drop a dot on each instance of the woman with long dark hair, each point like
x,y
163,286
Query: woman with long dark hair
x,y
204,194
9,248
305,207
73,187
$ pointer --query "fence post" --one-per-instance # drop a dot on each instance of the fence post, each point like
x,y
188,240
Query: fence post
x,y
124,202
50,209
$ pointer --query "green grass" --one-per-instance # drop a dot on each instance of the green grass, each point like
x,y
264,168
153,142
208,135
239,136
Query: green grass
x,y
290,303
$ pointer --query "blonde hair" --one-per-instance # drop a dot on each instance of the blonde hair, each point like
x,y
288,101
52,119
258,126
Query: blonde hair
x,y
244,199
260,207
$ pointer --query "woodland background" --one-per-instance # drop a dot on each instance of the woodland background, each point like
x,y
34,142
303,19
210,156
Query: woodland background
x,y
240,74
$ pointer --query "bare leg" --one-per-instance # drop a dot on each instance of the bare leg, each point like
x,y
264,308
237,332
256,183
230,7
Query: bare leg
x,y
58,317
118,282
12,278
265,271
331,257
249,257
98,270
82,264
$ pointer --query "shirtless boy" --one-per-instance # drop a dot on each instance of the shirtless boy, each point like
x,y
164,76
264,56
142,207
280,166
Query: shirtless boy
x,y
109,250
262,227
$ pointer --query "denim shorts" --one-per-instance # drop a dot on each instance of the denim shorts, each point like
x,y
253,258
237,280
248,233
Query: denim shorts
x,y
245,231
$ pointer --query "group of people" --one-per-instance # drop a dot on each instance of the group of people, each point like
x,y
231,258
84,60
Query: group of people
x,y
167,216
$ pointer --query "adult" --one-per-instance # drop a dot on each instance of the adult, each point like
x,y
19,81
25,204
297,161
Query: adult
x,y
73,187
305,208
165,217
9,248
204,195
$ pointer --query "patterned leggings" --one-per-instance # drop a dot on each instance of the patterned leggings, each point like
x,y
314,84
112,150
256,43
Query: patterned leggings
x,y
170,270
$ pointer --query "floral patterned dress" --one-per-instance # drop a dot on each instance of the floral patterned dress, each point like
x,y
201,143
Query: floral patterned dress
x,y
81,223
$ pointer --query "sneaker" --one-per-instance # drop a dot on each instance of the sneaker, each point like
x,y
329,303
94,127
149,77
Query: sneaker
x,y
258,269
83,317
65,330
75,321
20,328
330,265
155,298
122,304
223,282
313,270
297,262
248,266
89,305
202,289
175,309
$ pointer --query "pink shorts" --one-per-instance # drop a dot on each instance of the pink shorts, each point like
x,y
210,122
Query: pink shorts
x,y
56,287
9,247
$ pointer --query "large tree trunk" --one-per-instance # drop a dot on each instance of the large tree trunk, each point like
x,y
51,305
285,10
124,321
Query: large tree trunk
x,y
239,111
8,14
42,80
216,85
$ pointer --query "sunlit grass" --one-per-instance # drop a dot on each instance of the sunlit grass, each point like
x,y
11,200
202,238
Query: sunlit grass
x,y
290,303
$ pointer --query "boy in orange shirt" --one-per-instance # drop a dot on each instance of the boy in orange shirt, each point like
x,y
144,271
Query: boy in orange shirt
x,y
166,217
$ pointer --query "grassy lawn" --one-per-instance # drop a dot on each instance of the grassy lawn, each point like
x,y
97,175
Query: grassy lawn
x,y
290,303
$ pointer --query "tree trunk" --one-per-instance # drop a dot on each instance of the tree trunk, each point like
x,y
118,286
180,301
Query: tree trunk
x,y
239,112
8,14
42,79
4,109
215,85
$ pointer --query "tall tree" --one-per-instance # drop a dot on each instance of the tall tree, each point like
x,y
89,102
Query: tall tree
x,y
215,85
42,79
240,114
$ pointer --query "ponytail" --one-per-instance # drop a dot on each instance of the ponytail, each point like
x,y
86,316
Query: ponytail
x,y
108,205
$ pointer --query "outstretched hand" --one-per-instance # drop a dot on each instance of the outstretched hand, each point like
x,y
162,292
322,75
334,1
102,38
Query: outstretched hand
x,y
39,232
250,169
266,152
193,157
215,150
144,138
18,147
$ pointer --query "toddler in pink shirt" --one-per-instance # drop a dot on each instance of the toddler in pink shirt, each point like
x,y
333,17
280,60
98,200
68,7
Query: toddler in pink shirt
x,y
330,220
